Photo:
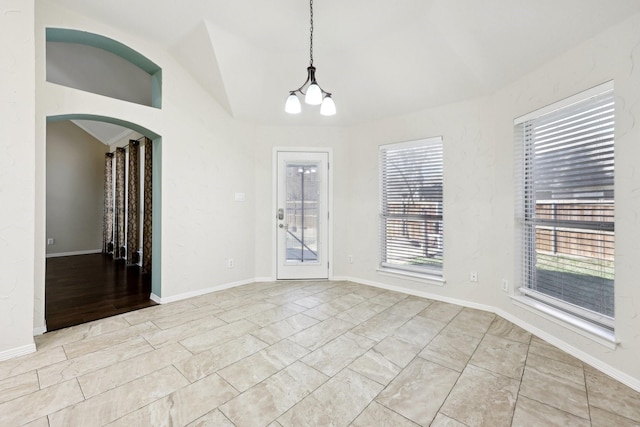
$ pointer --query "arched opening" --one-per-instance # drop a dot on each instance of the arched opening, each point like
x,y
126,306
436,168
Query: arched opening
x,y
119,271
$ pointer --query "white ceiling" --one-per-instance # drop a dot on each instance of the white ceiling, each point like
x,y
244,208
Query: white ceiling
x,y
106,133
379,58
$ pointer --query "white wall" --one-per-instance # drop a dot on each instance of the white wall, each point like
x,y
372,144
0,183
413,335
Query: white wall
x,y
479,191
75,189
17,169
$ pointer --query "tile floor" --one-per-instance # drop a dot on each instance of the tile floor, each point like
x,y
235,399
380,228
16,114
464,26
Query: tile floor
x,y
306,354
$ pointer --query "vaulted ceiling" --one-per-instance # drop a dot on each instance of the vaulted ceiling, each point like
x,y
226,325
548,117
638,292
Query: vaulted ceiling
x,y
379,58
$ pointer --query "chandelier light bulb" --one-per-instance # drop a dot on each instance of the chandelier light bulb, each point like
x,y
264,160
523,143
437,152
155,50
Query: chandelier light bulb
x,y
314,95
293,104
328,107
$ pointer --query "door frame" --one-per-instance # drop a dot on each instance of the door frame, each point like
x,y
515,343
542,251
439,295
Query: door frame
x,y
274,205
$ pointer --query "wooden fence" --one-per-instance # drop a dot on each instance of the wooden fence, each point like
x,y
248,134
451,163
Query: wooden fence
x,y
574,239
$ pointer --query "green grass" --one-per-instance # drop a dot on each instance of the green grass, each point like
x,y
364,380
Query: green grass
x,y
576,265
425,261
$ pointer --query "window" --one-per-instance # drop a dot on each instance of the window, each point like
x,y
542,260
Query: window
x,y
566,208
411,211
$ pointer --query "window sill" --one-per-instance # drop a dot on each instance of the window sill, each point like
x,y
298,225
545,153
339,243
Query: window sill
x,y
580,326
410,275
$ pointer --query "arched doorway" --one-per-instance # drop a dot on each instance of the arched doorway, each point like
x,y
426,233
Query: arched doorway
x,y
97,285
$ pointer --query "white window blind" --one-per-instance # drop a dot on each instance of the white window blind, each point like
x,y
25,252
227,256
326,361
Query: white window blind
x,y
566,208
411,206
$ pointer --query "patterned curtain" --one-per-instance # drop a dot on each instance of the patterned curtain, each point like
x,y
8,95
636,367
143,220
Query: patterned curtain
x,y
119,250
148,193
133,204
107,216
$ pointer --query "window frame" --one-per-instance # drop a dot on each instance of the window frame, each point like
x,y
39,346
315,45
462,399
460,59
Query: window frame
x,y
429,272
575,315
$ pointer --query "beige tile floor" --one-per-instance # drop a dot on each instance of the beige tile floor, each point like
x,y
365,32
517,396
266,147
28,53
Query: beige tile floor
x,y
306,354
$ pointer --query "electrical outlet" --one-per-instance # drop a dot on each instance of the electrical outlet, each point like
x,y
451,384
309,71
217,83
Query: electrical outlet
x,y
230,263
350,257
505,285
473,276
50,241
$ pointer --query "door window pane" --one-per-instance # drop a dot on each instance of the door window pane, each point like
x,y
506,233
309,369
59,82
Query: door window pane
x,y
302,208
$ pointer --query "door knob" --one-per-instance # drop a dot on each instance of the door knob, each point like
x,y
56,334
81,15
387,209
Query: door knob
x,y
281,225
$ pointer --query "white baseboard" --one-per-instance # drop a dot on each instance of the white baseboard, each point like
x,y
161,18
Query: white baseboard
x,y
418,293
18,351
180,297
618,375
87,252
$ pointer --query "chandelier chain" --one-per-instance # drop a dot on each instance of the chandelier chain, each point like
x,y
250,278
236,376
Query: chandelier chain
x,y
311,34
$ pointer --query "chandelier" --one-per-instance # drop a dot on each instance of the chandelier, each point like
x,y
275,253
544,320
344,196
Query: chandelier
x,y
314,94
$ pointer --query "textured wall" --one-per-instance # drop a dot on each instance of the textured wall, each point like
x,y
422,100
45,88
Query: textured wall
x,y
17,186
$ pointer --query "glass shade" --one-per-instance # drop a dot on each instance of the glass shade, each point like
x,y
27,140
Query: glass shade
x,y
293,104
328,107
314,95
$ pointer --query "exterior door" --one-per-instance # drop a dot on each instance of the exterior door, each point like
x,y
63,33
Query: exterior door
x,y
302,215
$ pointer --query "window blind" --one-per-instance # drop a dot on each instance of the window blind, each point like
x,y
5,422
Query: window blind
x,y
567,207
411,206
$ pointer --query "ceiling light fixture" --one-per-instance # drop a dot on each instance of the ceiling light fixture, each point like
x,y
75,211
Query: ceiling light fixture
x,y
314,94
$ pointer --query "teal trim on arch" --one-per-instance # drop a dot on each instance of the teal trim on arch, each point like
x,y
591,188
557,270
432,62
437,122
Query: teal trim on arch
x,y
140,129
156,219
65,35
156,234
156,89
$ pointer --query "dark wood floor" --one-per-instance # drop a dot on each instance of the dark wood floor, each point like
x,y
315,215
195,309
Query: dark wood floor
x,y
83,288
